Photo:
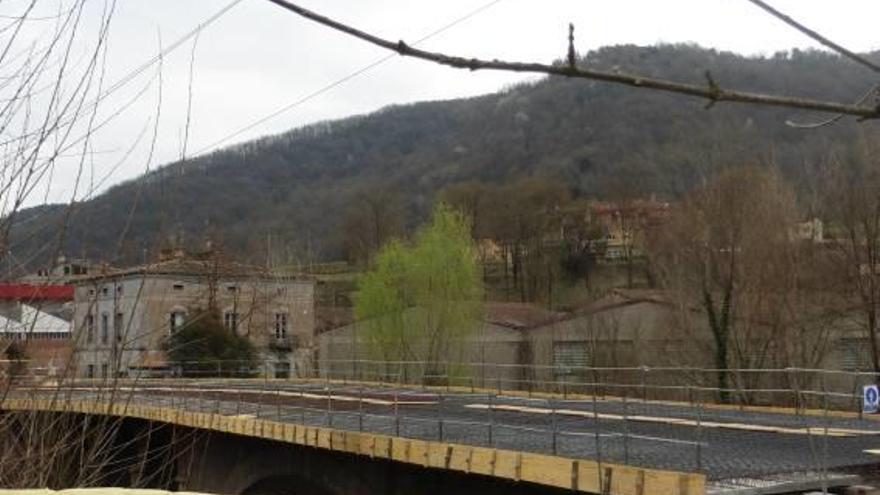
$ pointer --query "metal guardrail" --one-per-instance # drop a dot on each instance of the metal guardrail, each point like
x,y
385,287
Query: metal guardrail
x,y
797,388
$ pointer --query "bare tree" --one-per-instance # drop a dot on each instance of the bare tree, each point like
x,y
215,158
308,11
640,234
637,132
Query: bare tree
x,y
374,218
727,255
853,198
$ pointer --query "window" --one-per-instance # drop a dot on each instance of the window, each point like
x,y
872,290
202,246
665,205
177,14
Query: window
x,y
280,326
230,319
90,371
118,327
119,289
177,287
103,370
570,357
104,291
105,328
175,321
231,288
89,323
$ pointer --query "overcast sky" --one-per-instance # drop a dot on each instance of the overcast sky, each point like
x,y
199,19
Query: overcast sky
x,y
259,58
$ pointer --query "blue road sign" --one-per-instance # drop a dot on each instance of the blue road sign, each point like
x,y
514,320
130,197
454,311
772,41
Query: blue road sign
x,y
870,399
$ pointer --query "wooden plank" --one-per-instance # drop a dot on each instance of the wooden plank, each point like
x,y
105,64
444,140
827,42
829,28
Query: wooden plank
x,y
351,442
385,446
366,444
437,455
301,434
337,440
482,461
662,483
506,464
546,470
225,424
460,458
323,438
418,452
399,449
588,477
640,483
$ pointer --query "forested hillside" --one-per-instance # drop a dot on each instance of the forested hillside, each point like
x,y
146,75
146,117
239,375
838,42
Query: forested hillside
x,y
296,192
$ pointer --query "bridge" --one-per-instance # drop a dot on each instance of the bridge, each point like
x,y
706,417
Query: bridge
x,y
341,437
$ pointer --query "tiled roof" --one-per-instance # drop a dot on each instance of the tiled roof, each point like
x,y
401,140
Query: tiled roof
x,y
519,316
622,297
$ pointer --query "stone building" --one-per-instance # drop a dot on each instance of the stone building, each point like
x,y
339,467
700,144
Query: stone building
x,y
122,318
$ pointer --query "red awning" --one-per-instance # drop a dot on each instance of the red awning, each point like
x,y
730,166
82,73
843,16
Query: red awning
x,y
27,292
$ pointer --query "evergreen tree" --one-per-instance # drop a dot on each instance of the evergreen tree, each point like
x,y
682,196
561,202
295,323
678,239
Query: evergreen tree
x,y
203,346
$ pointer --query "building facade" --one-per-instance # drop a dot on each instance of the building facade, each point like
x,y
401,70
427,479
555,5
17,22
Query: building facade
x,y
123,319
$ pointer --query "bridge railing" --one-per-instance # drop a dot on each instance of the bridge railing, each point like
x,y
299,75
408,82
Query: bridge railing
x,y
796,388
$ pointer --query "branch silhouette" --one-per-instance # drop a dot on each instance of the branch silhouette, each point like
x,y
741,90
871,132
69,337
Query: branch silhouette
x,y
711,92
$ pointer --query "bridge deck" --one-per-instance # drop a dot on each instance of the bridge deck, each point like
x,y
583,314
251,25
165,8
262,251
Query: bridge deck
x,y
724,444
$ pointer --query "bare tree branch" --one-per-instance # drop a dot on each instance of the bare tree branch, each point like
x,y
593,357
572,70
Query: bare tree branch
x,y
711,92
830,44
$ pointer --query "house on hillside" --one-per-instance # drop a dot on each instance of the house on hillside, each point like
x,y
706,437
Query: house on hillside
x,y
123,318
626,227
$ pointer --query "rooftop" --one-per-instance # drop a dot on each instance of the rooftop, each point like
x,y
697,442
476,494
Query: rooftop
x,y
200,264
519,316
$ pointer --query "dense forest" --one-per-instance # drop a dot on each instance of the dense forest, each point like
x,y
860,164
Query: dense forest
x,y
298,194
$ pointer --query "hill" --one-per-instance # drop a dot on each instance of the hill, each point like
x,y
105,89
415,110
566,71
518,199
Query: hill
x,y
293,191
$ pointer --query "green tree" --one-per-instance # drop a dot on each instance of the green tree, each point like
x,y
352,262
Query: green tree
x,y
205,347
423,299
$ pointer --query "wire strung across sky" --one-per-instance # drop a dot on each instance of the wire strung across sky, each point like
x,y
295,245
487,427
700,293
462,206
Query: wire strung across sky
x,y
344,79
711,91
137,71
